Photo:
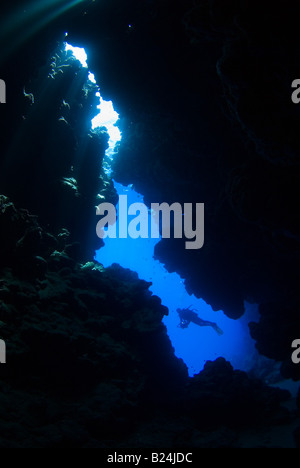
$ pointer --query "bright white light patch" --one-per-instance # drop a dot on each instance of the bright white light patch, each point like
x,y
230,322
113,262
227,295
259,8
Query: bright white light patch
x,y
107,116
79,53
91,77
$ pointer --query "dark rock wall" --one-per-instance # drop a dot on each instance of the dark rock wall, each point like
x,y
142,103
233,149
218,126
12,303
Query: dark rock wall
x,y
90,363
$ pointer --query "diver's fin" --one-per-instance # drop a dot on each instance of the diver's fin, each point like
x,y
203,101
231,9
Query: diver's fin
x,y
218,329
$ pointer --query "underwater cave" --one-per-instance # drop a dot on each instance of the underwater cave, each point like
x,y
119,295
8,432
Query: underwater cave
x,y
194,346
129,339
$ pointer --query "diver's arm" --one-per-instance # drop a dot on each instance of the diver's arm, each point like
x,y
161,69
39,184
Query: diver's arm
x,y
184,324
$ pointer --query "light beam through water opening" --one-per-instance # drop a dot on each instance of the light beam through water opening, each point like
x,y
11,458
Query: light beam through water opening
x,y
194,345
107,116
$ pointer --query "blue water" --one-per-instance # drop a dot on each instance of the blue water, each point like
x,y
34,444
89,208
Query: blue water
x,y
194,345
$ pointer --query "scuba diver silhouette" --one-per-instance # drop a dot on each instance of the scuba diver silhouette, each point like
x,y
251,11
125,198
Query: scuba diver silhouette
x,y
189,315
